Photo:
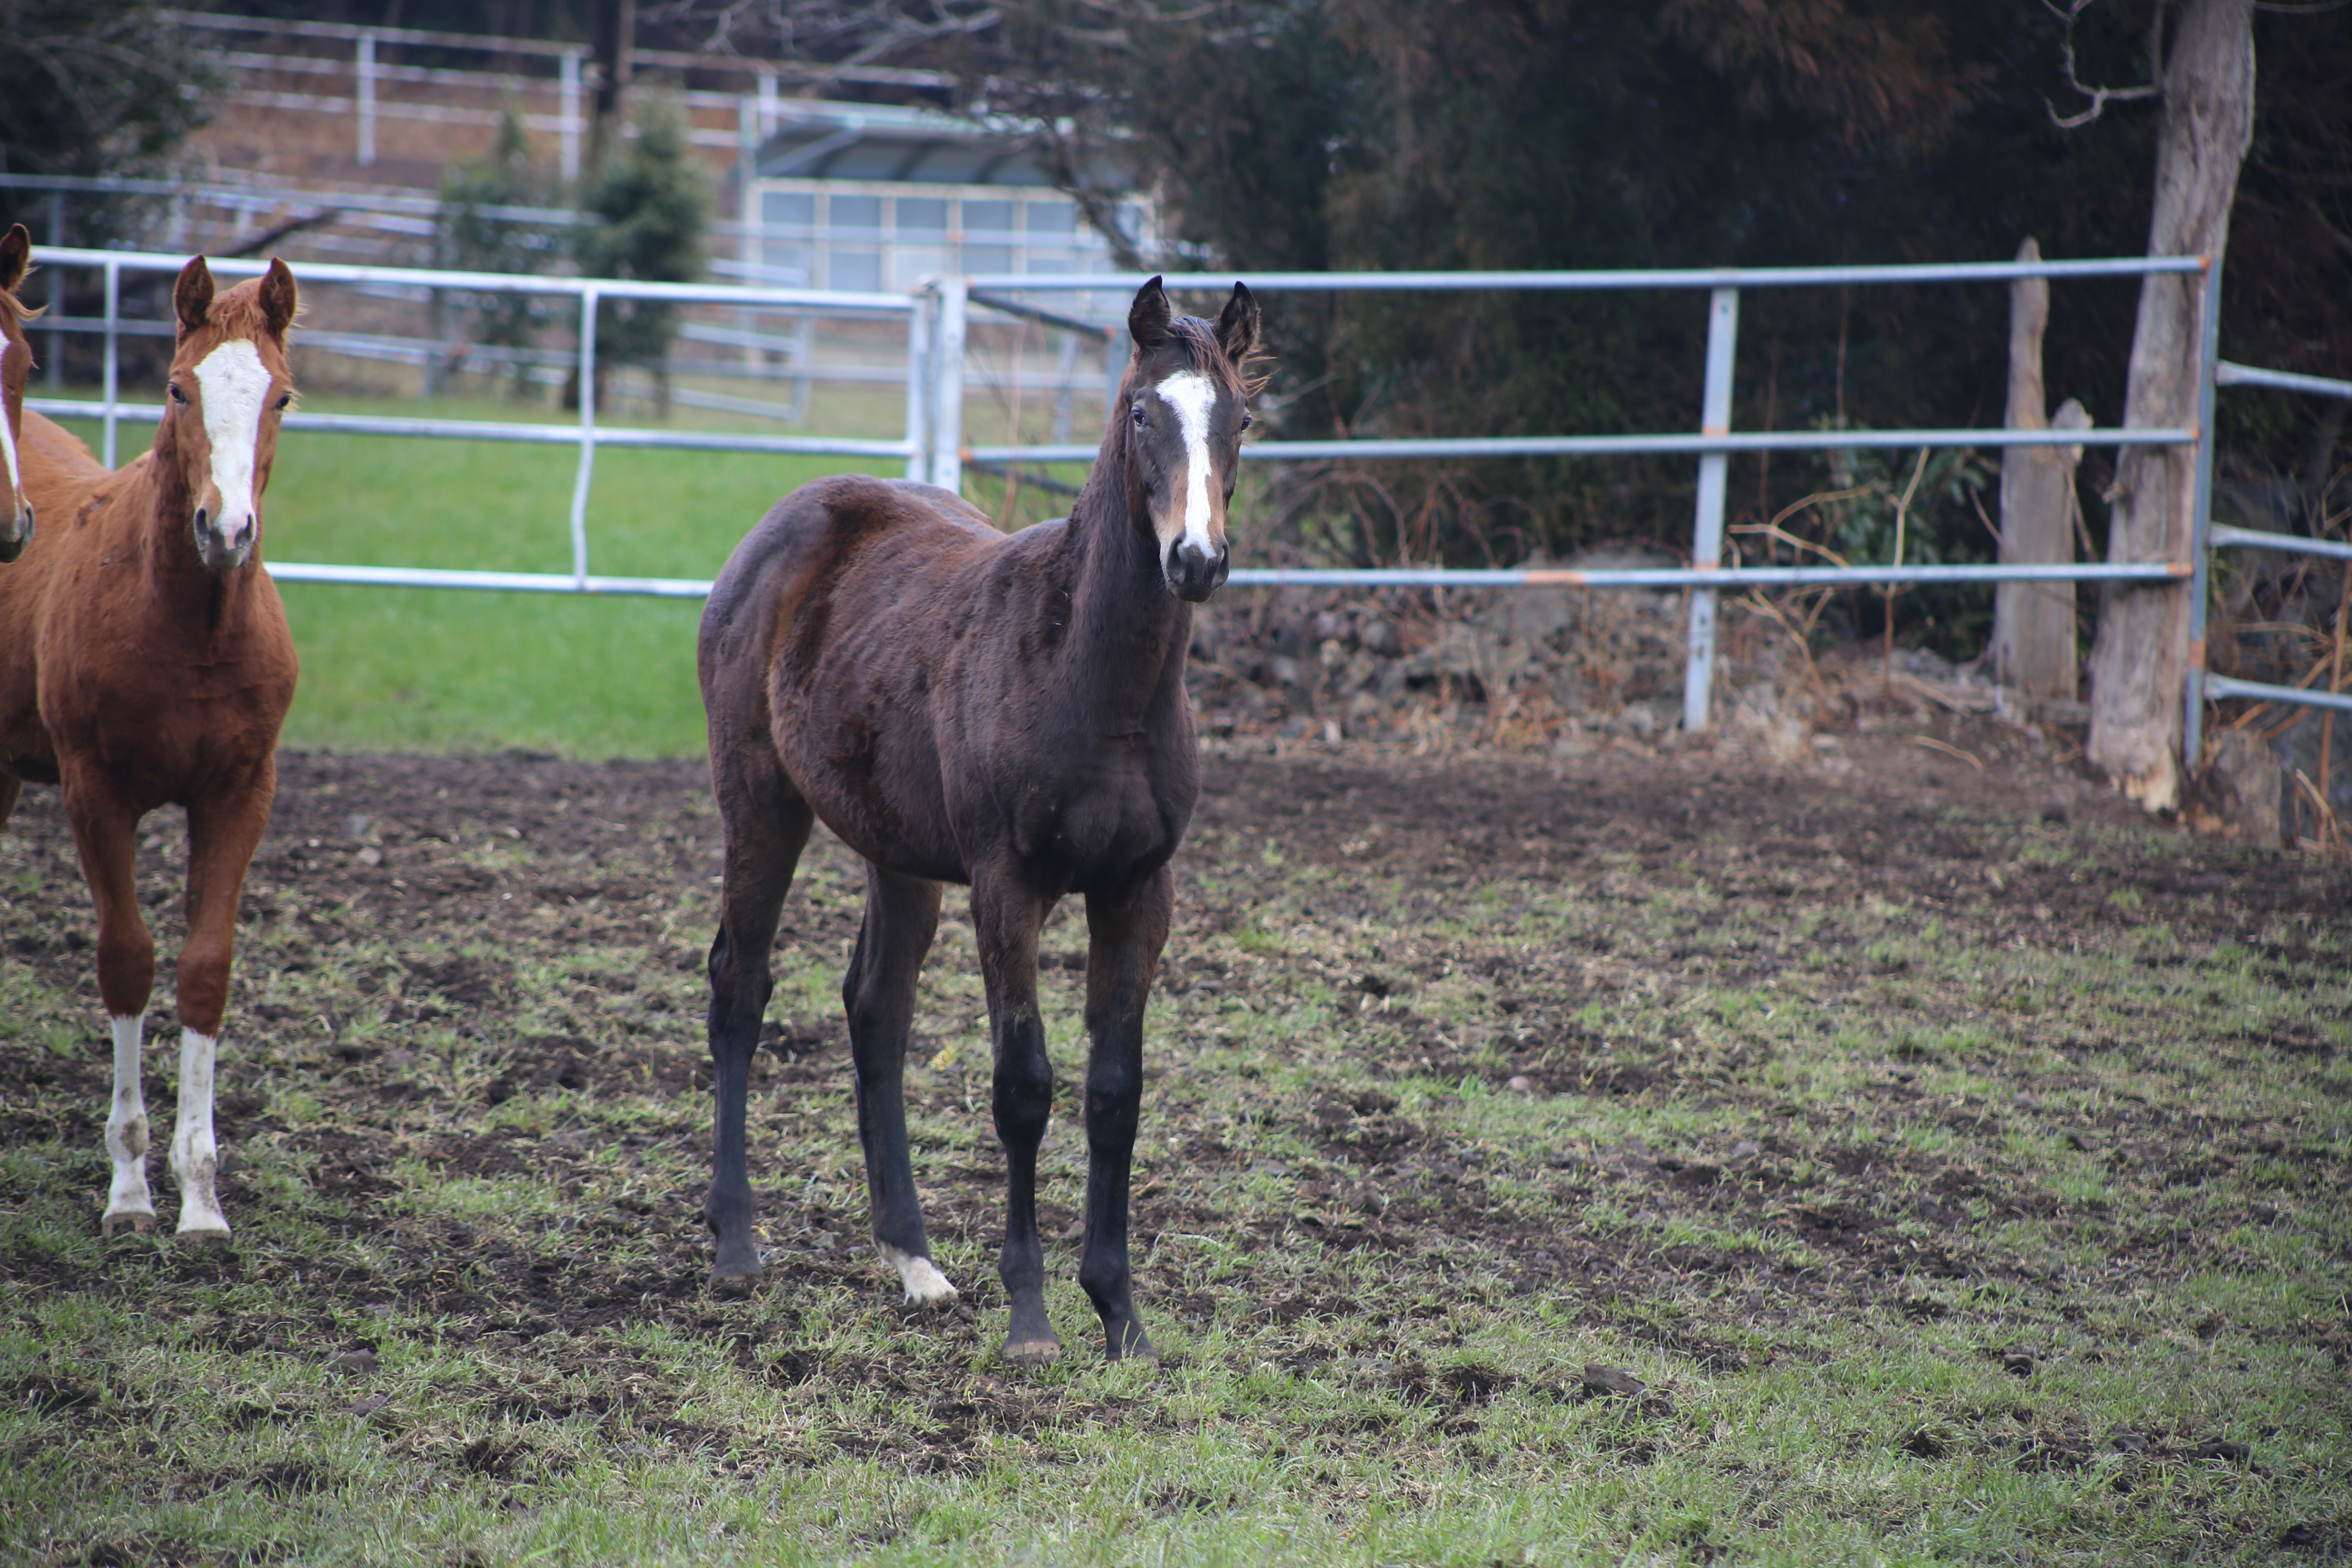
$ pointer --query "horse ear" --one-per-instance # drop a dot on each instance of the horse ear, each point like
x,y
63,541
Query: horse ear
x,y
191,296
1146,319
279,300
16,251
1237,325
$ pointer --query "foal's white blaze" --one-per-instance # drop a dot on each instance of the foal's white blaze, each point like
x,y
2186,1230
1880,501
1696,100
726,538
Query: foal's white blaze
x,y
1192,396
126,1132
925,1284
233,382
195,1155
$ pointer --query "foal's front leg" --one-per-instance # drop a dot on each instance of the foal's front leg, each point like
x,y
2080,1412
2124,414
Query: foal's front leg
x,y
223,828
1005,918
1125,931
103,828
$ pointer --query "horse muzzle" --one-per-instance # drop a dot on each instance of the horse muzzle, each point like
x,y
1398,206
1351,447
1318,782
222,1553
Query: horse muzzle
x,y
18,534
1192,574
221,550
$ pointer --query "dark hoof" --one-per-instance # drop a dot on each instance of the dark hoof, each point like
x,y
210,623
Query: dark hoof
x,y
734,1284
1033,1352
1138,1348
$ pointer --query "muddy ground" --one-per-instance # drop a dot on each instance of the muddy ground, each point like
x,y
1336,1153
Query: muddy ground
x,y
462,968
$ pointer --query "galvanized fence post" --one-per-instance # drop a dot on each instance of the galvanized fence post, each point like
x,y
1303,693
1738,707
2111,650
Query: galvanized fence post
x,y
56,290
114,321
1706,546
568,97
587,437
365,71
2200,517
947,382
918,384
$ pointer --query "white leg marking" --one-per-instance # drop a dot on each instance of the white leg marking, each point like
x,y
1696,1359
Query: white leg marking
x,y
233,382
1189,393
195,1157
126,1133
925,1284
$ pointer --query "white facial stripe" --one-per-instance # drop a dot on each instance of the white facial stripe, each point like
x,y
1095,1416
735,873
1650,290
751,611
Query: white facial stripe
x,y
1187,392
232,380
8,436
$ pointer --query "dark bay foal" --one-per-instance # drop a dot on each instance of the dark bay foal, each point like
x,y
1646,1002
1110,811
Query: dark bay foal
x,y
960,705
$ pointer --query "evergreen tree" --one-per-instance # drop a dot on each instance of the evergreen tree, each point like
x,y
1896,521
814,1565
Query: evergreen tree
x,y
648,210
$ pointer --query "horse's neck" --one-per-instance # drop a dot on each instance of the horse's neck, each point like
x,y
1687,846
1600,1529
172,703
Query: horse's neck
x,y
150,507
1128,634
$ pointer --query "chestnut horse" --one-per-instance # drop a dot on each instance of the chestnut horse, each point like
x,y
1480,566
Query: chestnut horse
x,y
1009,712
144,661
15,366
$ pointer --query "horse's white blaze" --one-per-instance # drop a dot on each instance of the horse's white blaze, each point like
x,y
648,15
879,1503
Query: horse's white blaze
x,y
194,1156
1190,393
8,450
234,382
925,1284
126,1127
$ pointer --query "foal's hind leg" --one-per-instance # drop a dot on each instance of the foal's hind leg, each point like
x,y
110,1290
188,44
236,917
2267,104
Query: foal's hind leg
x,y
902,914
1127,930
767,825
103,828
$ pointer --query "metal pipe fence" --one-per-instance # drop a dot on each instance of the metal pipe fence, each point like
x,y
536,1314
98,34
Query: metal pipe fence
x,y
938,324
1713,442
2203,684
586,434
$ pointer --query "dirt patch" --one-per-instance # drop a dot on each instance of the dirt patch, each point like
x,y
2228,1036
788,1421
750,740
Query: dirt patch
x,y
435,946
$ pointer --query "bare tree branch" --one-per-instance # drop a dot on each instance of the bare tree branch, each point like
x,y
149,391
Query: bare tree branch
x,y
2100,97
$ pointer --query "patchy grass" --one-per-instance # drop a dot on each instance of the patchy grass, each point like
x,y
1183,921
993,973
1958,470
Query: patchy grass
x,y
1940,1204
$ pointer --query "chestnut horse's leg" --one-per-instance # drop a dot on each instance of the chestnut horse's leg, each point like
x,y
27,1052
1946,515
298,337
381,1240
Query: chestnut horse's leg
x,y
1005,918
224,827
103,827
767,826
1125,931
902,914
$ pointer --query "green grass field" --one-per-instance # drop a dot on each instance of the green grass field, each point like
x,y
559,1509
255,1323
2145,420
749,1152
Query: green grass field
x,y
1963,1187
411,669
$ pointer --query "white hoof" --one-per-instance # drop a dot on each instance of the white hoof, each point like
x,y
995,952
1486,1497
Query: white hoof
x,y
925,1284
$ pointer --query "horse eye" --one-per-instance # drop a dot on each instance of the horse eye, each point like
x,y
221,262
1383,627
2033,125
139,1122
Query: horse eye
x,y
1249,418
177,395
284,400
1141,419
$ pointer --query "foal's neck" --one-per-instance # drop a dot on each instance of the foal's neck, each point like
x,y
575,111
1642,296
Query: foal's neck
x,y
1128,634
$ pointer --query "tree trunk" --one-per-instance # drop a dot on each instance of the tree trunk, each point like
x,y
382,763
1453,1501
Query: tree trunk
x,y
2140,657
616,42
2033,651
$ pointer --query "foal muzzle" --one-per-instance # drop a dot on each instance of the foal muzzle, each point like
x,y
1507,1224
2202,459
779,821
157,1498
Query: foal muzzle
x,y
1192,574
18,534
220,549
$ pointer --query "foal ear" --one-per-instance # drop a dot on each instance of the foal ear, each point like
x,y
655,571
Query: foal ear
x,y
16,250
191,296
1237,325
1146,319
278,301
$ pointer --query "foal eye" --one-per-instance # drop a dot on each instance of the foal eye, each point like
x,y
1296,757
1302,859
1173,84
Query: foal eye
x,y
1141,419
177,395
1248,419
283,400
